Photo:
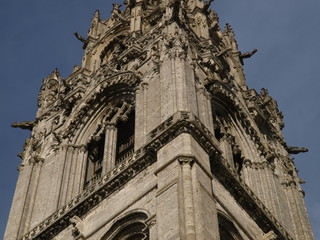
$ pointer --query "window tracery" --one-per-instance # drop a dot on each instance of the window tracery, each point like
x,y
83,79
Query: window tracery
x,y
112,142
130,227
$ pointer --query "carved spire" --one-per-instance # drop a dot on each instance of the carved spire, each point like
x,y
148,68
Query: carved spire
x,y
93,31
49,90
230,36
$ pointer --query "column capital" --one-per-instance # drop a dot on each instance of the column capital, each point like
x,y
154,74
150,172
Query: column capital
x,y
110,126
186,160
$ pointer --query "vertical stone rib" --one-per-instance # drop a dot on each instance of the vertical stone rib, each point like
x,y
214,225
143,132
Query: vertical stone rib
x,y
19,202
36,170
174,91
203,108
209,112
145,102
78,172
62,164
188,199
198,209
83,168
109,156
72,177
65,178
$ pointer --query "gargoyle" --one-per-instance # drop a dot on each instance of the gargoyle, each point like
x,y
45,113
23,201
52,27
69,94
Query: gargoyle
x,y
224,51
82,39
27,125
247,55
296,150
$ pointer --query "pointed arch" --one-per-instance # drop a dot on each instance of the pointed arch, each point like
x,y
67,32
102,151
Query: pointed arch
x,y
132,226
106,130
227,230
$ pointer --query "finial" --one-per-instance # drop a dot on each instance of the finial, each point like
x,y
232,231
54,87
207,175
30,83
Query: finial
x,y
207,5
97,14
228,27
247,55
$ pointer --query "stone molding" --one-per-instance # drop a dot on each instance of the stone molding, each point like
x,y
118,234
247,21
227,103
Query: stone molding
x,y
258,165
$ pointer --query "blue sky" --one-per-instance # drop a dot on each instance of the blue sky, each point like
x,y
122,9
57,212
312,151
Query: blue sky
x,y
37,36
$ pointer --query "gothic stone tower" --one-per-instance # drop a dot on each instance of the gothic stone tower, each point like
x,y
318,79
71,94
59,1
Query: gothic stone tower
x,y
157,136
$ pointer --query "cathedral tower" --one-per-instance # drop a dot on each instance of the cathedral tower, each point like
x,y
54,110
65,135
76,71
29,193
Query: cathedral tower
x,y
157,136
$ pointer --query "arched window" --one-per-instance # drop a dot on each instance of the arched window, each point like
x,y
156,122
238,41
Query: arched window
x,y
111,143
130,227
227,229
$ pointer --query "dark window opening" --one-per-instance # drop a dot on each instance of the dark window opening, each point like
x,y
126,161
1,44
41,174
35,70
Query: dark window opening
x,y
227,229
217,133
125,138
225,234
94,160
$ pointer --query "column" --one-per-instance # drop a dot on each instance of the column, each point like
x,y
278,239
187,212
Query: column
x,y
186,208
110,148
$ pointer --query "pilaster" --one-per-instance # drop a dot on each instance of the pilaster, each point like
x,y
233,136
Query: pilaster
x,y
19,203
185,201
301,227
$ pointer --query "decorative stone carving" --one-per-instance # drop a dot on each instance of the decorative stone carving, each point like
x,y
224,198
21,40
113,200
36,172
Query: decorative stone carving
x,y
28,125
296,150
78,227
82,39
270,236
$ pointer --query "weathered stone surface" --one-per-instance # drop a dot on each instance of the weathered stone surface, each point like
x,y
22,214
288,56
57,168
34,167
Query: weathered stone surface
x,y
157,135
